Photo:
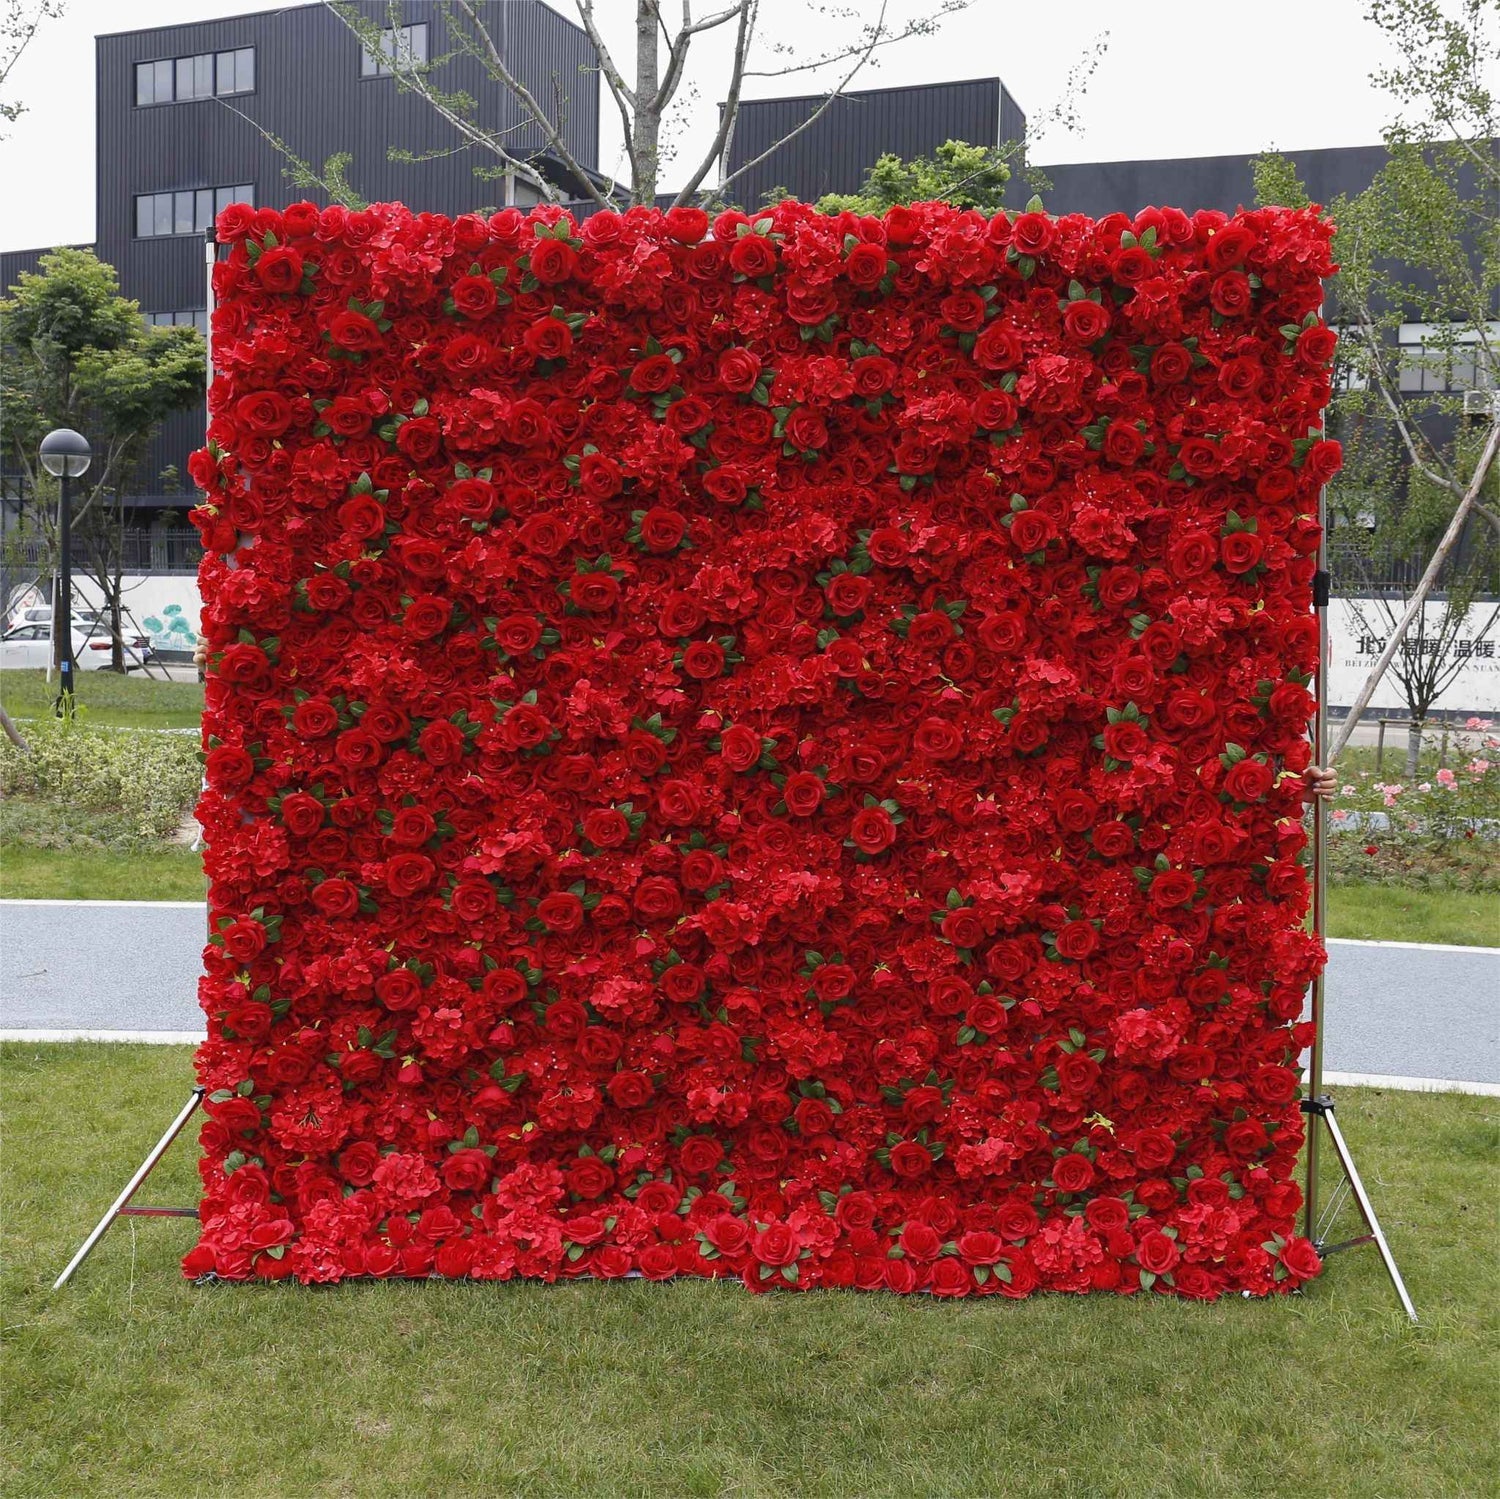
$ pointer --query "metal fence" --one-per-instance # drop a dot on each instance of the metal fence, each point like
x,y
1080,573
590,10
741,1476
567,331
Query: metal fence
x,y
159,550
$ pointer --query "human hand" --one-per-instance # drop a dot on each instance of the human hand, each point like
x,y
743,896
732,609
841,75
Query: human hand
x,y
1318,781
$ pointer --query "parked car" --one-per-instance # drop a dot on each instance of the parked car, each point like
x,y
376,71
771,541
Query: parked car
x,y
29,645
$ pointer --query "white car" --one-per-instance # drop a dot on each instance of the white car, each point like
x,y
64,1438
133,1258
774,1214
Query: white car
x,y
30,646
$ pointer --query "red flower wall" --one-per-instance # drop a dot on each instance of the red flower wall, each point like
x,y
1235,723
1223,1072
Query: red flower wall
x,y
768,749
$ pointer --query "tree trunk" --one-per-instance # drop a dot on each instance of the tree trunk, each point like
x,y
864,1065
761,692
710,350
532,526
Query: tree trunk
x,y
645,129
1413,747
116,639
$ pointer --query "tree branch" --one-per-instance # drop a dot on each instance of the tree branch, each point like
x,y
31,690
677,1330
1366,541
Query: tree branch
x,y
872,41
749,11
1382,384
552,131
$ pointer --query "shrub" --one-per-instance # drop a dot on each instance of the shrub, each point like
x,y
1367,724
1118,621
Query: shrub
x,y
146,776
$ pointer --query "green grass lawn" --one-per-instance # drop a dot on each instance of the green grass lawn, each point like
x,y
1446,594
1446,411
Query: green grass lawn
x,y
1392,913
134,701
168,872
133,1382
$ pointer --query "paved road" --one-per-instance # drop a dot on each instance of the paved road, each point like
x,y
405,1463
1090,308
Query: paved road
x,y
1394,1009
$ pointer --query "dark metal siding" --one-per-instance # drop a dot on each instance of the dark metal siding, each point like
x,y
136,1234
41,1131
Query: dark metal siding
x,y
1190,183
14,262
309,92
833,154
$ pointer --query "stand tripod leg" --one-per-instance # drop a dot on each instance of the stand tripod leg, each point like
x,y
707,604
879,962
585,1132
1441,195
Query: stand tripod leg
x,y
1366,1207
131,1187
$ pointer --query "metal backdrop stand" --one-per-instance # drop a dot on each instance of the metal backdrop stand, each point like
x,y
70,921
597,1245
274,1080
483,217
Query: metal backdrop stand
x,y
1318,1105
121,1207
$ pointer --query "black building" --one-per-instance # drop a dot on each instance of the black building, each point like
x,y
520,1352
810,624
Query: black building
x,y
831,152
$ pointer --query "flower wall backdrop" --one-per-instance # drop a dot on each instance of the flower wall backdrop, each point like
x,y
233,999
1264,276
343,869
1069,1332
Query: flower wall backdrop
x,y
765,749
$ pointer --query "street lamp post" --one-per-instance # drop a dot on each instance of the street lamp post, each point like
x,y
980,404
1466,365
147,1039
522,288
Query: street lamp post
x,y
65,455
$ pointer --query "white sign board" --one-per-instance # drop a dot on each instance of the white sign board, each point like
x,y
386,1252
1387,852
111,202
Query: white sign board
x,y
1358,630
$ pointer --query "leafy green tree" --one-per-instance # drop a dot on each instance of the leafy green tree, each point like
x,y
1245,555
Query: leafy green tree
x,y
78,354
958,173
1419,246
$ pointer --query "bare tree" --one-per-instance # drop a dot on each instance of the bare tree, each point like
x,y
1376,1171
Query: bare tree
x,y
18,25
643,95
1431,654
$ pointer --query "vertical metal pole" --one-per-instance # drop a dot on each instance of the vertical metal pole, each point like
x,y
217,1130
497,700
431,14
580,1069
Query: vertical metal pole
x,y
62,609
210,255
1321,586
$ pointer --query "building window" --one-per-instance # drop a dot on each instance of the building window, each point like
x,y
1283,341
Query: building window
x,y
1437,357
176,80
398,44
187,317
236,71
189,211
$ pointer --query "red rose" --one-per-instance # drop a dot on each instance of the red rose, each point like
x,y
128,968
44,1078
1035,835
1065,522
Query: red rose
x,y
1301,1258
962,928
1154,1150
951,1277
1247,780
873,830
336,898
1107,1215
630,1090
739,369
1031,531
1086,321
474,296
467,1170
589,1177
699,1154
866,265
662,530
595,592
654,374
552,261
279,269
753,256
1077,939
803,794
1241,551
561,911
1072,1173
441,743
909,1159
265,413
1032,233
301,814
244,940
1156,1253
776,1244
727,1234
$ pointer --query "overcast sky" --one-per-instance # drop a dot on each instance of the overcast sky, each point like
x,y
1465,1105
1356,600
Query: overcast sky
x,y
1179,78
